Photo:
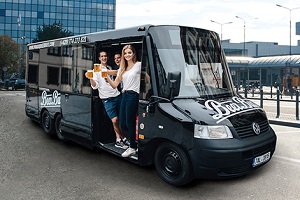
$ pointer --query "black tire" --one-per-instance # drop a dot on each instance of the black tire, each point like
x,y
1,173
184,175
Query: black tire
x,y
47,123
172,164
58,130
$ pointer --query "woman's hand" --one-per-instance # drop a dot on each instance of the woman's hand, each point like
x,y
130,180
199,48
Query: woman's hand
x,y
113,84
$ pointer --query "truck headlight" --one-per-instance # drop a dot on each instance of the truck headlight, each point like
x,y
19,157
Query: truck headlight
x,y
212,132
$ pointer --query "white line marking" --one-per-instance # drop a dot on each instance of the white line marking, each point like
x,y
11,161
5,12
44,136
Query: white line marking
x,y
288,159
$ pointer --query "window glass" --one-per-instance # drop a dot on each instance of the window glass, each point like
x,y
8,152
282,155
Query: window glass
x,y
87,52
8,6
40,8
40,15
193,58
32,74
8,20
145,88
22,6
52,75
34,14
28,7
49,68
65,75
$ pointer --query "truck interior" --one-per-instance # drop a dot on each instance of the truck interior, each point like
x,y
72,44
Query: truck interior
x,y
104,135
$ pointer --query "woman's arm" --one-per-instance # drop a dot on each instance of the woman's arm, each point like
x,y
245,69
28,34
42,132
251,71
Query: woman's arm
x,y
112,72
114,84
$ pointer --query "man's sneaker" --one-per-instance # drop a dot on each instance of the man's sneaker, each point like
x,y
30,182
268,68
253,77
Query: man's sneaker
x,y
130,151
125,141
120,144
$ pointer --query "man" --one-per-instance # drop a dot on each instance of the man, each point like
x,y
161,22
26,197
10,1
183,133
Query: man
x,y
117,59
111,100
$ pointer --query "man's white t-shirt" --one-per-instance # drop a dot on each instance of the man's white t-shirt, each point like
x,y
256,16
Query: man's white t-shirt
x,y
132,79
104,88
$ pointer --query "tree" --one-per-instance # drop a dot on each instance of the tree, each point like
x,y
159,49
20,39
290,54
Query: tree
x,y
49,32
9,55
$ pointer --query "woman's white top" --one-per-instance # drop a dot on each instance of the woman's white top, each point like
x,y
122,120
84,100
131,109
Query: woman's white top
x,y
132,78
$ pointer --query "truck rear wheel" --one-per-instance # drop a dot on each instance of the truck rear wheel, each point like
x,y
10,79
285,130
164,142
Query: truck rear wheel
x,y
58,128
47,123
172,164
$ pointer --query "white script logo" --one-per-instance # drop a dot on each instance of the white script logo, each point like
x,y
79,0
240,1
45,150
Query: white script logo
x,y
50,100
229,108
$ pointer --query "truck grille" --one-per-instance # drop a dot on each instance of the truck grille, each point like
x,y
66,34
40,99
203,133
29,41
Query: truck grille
x,y
243,124
247,130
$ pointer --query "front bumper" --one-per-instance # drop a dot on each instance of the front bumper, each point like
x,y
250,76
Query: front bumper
x,y
230,158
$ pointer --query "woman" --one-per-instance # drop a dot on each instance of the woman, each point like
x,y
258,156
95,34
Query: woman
x,y
129,73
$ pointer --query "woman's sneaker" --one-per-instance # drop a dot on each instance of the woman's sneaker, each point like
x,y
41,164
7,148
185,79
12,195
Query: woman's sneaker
x,y
120,144
130,151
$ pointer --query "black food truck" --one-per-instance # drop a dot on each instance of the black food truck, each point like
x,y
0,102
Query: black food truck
x,y
191,123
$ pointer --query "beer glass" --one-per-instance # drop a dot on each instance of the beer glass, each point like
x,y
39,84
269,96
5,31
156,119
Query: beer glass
x,y
96,67
90,74
104,73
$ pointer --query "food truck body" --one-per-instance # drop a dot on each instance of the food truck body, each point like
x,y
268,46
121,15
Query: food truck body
x,y
190,122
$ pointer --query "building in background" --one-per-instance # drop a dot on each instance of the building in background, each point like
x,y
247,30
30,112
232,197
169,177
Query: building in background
x,y
259,49
21,18
264,62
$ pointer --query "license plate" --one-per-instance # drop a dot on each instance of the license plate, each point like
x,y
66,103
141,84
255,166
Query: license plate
x,y
261,159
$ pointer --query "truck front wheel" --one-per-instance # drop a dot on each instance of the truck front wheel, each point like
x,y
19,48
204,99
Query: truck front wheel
x,y
172,164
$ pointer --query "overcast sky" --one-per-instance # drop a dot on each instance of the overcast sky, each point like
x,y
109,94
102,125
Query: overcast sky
x,y
272,23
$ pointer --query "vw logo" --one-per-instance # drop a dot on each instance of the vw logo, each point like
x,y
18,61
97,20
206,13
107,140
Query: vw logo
x,y
256,128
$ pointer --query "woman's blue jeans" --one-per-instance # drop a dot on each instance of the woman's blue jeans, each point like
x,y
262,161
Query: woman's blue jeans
x,y
128,113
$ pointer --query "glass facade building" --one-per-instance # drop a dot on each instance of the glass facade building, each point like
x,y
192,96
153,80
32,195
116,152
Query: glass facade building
x,y
21,18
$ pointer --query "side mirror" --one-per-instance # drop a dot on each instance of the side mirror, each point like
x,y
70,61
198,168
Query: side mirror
x,y
174,79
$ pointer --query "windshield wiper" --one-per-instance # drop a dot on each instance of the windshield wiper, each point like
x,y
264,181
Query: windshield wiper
x,y
196,98
223,95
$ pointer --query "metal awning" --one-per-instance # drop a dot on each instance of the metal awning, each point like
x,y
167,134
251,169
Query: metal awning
x,y
264,62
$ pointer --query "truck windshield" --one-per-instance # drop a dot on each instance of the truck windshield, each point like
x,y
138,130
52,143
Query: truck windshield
x,y
197,55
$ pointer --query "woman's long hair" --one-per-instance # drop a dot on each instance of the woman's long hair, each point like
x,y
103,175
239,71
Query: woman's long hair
x,y
124,63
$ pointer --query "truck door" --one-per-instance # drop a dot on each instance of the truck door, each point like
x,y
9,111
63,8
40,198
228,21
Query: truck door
x,y
76,101
32,82
32,92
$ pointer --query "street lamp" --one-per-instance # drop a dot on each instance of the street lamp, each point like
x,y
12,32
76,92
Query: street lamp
x,y
23,39
290,9
221,24
21,55
244,32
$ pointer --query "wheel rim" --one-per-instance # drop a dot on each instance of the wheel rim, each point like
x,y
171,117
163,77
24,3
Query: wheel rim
x,y
46,121
171,163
